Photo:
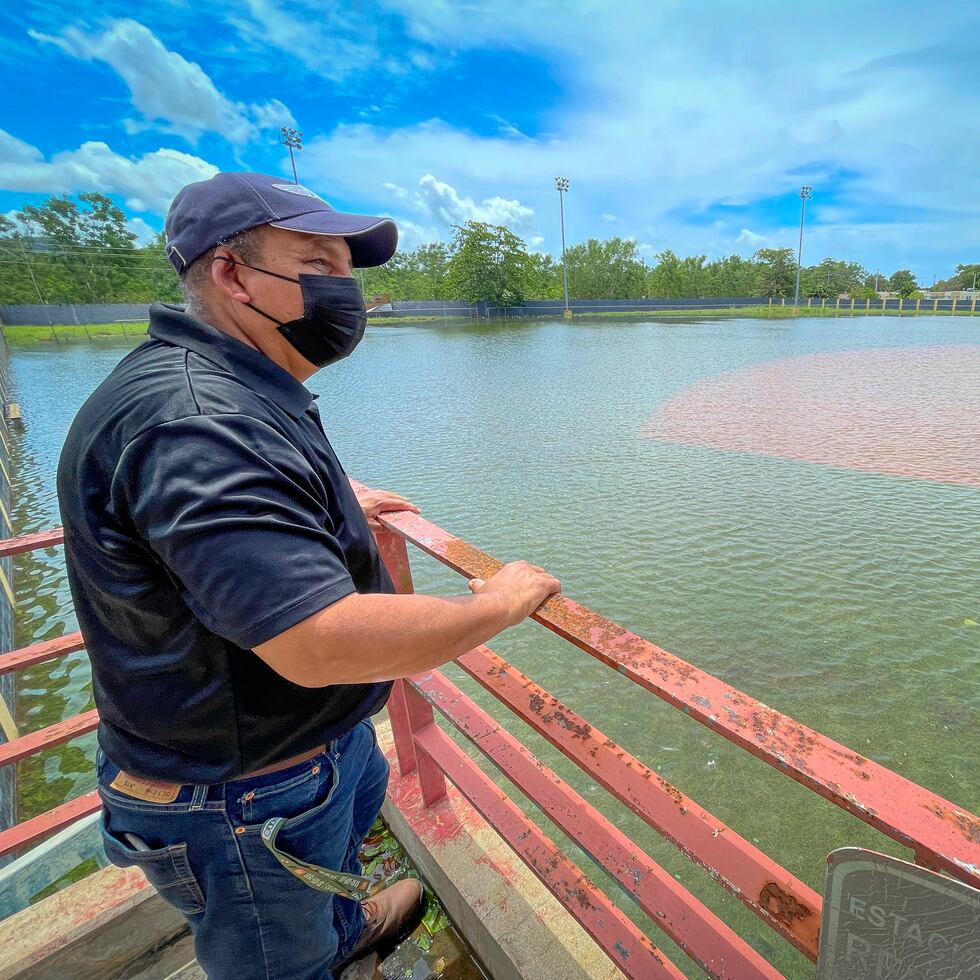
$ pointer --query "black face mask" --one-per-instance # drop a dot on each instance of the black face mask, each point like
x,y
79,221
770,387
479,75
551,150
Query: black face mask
x,y
333,319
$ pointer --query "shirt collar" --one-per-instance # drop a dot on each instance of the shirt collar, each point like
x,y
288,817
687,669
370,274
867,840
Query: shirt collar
x,y
173,326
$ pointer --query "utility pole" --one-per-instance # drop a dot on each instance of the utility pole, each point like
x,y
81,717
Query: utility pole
x,y
561,185
293,139
804,194
30,272
37,289
876,279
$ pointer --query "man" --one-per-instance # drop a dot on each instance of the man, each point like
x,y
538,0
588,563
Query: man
x,y
241,627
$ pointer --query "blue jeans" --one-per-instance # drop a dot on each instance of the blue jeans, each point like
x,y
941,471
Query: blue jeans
x,y
251,918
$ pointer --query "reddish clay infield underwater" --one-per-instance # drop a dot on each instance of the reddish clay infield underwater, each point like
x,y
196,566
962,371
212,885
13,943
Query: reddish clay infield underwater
x,y
903,411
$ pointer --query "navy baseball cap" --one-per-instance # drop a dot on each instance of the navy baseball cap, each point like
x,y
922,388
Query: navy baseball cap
x,y
209,212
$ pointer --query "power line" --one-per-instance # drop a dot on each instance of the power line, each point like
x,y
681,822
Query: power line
x,y
89,257
56,249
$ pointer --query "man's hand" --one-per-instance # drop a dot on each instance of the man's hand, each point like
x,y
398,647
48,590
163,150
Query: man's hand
x,y
524,587
361,639
374,502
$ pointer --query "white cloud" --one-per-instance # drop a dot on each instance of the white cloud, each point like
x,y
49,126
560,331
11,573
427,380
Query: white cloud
x,y
442,203
166,87
411,234
13,217
141,230
752,240
667,118
147,182
327,38
15,151
606,216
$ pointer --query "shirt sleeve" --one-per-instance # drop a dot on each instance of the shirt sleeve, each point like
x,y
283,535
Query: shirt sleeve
x,y
238,515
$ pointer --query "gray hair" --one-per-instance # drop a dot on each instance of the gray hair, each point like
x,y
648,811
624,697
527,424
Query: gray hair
x,y
247,245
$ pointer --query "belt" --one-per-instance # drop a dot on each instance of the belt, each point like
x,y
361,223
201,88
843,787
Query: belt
x,y
159,791
293,760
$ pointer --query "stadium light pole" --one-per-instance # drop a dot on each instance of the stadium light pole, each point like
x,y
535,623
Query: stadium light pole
x,y
561,185
293,139
804,194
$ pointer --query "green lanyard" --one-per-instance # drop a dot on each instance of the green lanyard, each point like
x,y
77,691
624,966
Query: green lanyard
x,y
355,887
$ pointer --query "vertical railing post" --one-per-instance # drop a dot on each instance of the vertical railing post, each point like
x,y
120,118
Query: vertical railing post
x,y
407,709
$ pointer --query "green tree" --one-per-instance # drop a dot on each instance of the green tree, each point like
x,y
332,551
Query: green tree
x,y
433,266
694,276
80,250
416,275
157,280
609,269
832,278
731,276
903,283
666,278
16,282
489,263
968,275
544,277
777,271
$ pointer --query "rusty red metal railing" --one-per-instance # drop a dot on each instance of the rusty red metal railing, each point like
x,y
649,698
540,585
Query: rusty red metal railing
x,y
940,835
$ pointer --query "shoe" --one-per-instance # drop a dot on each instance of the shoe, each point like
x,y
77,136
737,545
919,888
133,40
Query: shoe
x,y
389,918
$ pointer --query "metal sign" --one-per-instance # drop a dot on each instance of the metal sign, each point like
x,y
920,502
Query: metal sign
x,y
885,919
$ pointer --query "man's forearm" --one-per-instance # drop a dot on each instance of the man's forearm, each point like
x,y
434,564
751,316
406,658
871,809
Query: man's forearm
x,y
366,638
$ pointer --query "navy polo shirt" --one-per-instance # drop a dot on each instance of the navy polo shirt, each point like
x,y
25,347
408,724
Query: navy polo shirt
x,y
205,512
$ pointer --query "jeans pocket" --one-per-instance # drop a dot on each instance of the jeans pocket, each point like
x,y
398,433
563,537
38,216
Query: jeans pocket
x,y
166,868
290,794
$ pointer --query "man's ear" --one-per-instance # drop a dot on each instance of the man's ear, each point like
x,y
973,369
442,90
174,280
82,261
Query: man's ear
x,y
224,275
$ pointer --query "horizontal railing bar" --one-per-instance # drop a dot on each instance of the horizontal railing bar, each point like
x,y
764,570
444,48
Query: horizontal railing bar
x,y
28,745
903,810
31,542
31,831
37,653
621,939
780,899
685,919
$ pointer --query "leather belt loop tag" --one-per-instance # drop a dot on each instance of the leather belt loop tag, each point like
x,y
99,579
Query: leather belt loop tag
x,y
148,790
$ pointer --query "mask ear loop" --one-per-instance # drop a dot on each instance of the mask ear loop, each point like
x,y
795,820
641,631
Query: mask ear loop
x,y
251,306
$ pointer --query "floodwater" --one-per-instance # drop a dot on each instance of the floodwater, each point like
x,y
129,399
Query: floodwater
x,y
665,472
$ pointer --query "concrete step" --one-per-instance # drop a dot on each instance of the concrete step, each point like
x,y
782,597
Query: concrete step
x,y
447,958
168,963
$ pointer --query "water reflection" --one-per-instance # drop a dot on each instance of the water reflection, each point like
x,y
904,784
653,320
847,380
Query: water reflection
x,y
48,692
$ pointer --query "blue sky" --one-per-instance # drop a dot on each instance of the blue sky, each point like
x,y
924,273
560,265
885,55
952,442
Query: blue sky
x,y
681,125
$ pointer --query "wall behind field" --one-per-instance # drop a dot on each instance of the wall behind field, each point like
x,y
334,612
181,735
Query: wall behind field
x,y
34,314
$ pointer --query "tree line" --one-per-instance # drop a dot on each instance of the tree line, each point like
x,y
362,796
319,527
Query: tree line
x,y
80,250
